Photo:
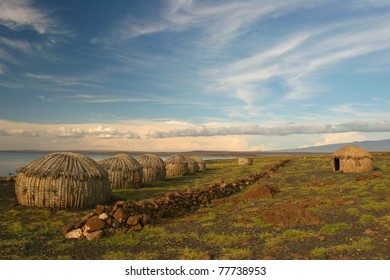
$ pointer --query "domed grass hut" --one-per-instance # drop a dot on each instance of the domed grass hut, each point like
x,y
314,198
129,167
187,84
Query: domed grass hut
x,y
176,166
153,168
124,171
201,163
352,159
192,165
62,180
245,161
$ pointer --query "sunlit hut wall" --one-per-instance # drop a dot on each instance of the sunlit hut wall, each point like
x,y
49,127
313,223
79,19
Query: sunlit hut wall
x,y
153,168
192,165
352,159
245,161
201,163
124,171
176,166
62,180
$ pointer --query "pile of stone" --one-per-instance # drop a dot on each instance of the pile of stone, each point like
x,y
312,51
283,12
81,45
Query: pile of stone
x,y
128,216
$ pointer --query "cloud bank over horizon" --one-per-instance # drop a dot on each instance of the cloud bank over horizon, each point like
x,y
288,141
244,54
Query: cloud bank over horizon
x,y
142,135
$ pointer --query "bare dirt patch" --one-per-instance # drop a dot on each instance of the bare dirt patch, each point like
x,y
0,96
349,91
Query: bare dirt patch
x,y
289,215
254,194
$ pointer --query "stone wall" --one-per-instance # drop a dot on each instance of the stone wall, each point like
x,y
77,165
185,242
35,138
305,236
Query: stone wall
x,y
127,216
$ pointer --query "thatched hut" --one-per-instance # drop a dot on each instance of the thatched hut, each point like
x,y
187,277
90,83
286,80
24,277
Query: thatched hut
x,y
124,171
201,163
176,166
62,180
192,165
153,168
245,161
352,159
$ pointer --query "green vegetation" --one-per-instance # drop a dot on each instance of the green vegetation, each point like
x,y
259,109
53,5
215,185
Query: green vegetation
x,y
367,219
335,228
344,205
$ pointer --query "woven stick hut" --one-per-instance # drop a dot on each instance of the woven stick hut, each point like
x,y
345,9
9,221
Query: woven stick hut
x,y
176,166
192,165
124,171
352,159
201,163
62,180
245,161
153,168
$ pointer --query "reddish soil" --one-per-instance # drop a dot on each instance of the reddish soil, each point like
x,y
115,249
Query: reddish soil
x,y
289,215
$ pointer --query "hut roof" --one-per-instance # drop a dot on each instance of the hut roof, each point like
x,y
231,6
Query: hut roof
x,y
351,152
197,159
176,159
150,160
64,164
120,162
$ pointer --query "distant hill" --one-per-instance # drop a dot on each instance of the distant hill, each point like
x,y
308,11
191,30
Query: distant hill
x,y
370,146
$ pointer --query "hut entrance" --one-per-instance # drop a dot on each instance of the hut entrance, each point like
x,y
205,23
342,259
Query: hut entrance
x,y
337,164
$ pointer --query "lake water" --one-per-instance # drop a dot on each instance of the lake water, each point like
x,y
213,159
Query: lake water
x,y
12,161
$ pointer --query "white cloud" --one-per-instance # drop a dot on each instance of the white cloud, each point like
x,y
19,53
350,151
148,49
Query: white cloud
x,y
345,137
2,69
98,132
16,44
220,23
203,130
110,133
70,132
61,80
21,14
345,108
19,132
361,4
297,60
174,135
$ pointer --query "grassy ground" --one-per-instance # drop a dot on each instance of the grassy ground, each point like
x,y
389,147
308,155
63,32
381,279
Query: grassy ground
x,y
317,214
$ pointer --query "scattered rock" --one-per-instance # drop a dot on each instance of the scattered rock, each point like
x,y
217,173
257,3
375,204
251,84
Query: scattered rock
x,y
76,233
103,217
144,220
94,224
100,209
67,228
120,215
94,235
132,221
369,232
135,228
377,175
205,256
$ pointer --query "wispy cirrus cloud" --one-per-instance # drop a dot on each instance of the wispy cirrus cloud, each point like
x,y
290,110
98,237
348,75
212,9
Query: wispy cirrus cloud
x,y
16,44
22,14
68,81
219,22
297,60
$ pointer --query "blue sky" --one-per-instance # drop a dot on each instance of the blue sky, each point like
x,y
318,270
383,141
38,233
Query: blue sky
x,y
186,75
